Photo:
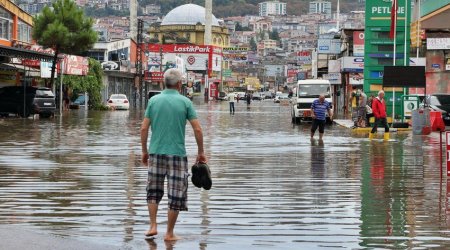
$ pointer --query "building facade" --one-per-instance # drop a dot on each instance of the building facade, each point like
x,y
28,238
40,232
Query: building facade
x,y
320,7
272,8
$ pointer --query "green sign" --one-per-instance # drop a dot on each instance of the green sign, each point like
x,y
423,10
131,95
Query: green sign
x,y
379,48
227,73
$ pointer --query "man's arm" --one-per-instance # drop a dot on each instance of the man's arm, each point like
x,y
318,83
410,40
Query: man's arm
x,y
313,115
144,137
199,138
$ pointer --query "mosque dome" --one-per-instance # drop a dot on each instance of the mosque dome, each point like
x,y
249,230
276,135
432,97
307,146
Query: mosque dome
x,y
187,14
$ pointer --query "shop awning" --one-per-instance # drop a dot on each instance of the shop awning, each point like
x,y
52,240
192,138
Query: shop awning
x,y
24,54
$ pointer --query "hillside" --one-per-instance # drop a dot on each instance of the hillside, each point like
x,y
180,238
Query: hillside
x,y
225,8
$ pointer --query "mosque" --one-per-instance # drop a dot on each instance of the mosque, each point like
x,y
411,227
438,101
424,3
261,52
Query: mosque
x,y
186,25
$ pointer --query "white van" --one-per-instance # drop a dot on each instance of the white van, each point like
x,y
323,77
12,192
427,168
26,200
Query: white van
x,y
306,92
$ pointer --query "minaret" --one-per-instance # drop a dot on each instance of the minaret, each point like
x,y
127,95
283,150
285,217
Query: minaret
x,y
208,22
133,19
338,15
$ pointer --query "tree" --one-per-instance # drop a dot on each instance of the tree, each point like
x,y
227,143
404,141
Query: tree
x,y
274,35
65,29
253,46
92,83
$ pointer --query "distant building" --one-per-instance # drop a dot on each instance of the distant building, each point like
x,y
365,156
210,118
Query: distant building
x,y
272,8
320,7
152,9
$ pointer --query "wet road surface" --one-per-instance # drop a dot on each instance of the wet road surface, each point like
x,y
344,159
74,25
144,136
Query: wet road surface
x,y
273,188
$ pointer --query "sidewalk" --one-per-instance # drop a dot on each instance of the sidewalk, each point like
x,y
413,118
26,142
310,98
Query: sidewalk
x,y
349,124
15,237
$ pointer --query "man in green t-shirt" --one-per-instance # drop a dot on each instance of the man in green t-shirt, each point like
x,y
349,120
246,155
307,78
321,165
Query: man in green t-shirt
x,y
166,115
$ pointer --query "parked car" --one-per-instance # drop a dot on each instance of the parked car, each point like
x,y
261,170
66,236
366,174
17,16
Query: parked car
x,y
441,103
281,97
38,100
79,102
240,95
222,96
118,101
257,96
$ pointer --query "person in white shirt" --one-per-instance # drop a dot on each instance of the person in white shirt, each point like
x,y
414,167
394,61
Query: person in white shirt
x,y
231,98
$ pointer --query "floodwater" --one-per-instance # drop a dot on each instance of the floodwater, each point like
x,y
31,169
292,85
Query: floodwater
x,y
81,177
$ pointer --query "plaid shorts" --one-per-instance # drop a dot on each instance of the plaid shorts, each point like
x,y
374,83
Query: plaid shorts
x,y
176,170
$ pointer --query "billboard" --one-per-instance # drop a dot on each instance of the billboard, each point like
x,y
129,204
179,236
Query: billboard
x,y
235,54
358,43
352,64
328,46
194,57
438,43
76,65
304,57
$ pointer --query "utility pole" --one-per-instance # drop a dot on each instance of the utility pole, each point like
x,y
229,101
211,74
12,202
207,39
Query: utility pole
x,y
161,57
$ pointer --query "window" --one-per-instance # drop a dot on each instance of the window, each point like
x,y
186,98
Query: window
x,y
24,32
5,24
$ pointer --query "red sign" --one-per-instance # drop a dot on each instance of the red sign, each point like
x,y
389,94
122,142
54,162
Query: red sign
x,y
358,43
304,53
184,48
154,76
292,72
76,65
447,135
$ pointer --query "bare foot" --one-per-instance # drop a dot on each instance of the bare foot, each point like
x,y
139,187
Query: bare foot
x,y
152,232
171,237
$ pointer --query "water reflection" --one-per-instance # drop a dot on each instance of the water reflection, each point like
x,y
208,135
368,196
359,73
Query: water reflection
x,y
272,188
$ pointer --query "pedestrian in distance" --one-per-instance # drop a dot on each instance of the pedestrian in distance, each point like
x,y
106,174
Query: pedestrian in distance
x,y
319,108
231,98
379,112
362,109
166,115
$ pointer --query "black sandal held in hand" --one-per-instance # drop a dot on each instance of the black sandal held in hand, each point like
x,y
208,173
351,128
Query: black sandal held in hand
x,y
201,176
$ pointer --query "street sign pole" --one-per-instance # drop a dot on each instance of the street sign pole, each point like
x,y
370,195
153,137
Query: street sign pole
x,y
447,152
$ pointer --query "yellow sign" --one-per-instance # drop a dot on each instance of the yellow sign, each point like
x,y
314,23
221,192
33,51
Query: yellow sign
x,y
253,81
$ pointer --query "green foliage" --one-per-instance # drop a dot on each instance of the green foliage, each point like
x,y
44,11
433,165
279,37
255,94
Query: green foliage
x,y
274,35
92,83
105,12
64,28
253,45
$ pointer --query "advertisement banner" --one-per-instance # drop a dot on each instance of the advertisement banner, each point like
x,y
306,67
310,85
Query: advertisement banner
x,y
304,57
334,78
358,43
76,65
235,54
356,78
352,64
438,43
154,76
329,46
46,69
292,72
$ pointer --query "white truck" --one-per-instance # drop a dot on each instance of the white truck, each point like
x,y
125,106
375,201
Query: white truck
x,y
305,93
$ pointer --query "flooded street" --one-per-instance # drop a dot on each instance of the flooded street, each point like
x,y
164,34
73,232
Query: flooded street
x,y
81,177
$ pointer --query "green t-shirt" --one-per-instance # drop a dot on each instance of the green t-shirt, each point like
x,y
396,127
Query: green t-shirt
x,y
168,113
